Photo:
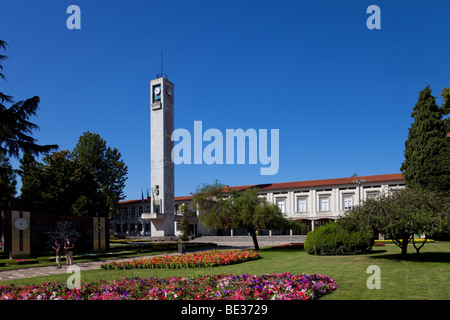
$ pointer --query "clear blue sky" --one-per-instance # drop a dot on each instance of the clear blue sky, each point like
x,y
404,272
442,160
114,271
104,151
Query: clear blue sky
x,y
340,94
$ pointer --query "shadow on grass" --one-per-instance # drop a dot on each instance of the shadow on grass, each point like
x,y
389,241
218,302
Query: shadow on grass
x,y
421,257
377,251
291,248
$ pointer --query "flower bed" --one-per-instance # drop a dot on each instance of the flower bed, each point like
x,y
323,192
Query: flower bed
x,y
210,258
379,244
283,286
21,261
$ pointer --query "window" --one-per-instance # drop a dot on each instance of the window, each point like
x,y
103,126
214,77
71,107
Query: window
x,y
282,205
372,195
301,205
133,211
324,203
125,212
347,202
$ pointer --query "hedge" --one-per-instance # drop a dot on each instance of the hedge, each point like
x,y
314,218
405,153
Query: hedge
x,y
330,239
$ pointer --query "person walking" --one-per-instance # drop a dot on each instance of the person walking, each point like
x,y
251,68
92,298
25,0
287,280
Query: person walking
x,y
68,247
58,250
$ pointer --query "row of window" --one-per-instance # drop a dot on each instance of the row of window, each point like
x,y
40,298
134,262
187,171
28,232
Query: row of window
x,y
131,211
132,227
323,203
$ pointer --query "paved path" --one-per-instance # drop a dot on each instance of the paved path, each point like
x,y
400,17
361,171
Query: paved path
x,y
246,241
241,242
51,270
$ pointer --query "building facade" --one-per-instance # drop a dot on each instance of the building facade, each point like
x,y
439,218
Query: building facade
x,y
313,202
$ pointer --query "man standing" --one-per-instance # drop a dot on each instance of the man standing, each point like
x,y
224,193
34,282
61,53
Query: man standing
x,y
58,250
68,247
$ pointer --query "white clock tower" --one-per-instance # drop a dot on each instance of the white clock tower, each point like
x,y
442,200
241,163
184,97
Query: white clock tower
x,y
162,167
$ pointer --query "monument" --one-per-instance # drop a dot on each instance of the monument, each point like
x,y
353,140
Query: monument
x,y
162,215
25,233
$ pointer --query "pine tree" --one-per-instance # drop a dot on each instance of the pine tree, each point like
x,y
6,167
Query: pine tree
x,y
427,152
15,127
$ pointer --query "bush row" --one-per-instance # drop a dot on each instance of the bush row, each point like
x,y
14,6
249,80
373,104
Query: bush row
x,y
330,239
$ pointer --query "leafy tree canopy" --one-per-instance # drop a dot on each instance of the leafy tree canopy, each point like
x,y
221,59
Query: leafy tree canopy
x,y
88,181
106,166
58,185
223,207
401,216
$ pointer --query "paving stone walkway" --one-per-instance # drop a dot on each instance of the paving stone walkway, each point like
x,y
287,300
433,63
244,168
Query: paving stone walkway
x,y
241,242
244,242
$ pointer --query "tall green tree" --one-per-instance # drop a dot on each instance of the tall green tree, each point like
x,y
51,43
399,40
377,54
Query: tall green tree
x,y
184,223
31,173
58,185
85,182
107,168
15,128
7,184
427,152
233,209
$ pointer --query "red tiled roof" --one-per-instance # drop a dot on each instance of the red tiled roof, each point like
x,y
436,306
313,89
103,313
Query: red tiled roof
x,y
238,188
332,182
133,201
183,198
300,184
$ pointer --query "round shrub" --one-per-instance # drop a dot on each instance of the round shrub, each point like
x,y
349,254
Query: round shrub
x,y
330,239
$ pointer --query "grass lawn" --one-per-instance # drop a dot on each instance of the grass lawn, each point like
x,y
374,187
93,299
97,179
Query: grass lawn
x,y
426,276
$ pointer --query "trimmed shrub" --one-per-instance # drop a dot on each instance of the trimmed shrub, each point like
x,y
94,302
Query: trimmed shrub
x,y
330,239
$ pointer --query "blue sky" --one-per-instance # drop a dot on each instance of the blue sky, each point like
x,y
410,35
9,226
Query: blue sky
x,y
340,94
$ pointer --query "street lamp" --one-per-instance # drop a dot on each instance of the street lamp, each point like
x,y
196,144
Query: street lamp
x,y
359,182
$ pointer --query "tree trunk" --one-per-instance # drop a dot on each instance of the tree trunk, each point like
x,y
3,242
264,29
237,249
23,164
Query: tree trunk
x,y
255,240
404,247
419,247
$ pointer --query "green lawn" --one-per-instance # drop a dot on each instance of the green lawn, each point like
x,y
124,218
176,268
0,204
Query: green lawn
x,y
426,276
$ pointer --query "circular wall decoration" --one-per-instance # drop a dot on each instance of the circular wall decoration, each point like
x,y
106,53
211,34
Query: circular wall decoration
x,y
98,227
21,224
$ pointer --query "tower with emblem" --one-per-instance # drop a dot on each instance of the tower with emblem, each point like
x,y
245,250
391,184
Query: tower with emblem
x,y
161,165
